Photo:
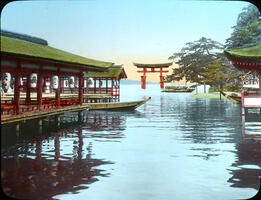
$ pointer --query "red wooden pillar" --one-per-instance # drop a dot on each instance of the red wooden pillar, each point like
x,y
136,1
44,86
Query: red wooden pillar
x,y
94,80
17,88
243,102
161,79
87,86
28,90
62,84
119,89
106,86
259,74
81,85
99,85
58,93
112,83
143,79
40,87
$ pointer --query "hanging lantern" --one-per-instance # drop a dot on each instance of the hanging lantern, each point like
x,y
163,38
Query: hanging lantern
x,y
71,82
90,82
6,81
33,80
55,81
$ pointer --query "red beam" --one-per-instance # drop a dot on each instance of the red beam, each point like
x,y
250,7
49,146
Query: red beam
x,y
26,71
40,61
165,71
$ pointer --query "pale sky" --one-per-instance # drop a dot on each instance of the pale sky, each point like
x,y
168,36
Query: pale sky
x,y
123,32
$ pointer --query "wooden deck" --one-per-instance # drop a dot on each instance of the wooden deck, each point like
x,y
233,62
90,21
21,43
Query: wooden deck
x,y
42,114
10,97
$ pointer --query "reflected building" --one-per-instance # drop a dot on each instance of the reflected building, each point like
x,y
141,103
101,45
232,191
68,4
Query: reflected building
x,y
246,170
43,166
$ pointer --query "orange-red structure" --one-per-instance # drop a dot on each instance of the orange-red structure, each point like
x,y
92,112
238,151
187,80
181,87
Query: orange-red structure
x,y
247,58
22,58
152,68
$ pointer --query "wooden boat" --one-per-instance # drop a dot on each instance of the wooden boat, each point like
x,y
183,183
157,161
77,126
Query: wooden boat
x,y
177,89
131,105
234,98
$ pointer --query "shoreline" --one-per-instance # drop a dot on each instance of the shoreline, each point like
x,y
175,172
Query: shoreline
x,y
211,95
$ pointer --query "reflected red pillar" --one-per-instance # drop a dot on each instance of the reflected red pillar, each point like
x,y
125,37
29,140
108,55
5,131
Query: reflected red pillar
x,y
17,88
38,164
57,151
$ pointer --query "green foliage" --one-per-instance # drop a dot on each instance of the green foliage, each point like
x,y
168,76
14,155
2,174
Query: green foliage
x,y
194,58
231,88
247,31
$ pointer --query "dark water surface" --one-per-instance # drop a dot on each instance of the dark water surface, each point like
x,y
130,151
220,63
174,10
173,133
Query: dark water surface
x,y
173,147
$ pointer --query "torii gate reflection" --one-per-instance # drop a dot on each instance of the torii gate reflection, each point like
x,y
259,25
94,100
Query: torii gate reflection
x,y
150,68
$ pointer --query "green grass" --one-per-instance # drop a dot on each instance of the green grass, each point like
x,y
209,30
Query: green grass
x,y
213,95
247,53
22,48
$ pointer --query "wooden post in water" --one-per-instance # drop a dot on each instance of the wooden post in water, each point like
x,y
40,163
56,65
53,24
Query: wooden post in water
x,y
80,116
17,128
57,120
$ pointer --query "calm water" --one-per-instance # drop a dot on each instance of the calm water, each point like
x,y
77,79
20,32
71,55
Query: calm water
x,y
173,147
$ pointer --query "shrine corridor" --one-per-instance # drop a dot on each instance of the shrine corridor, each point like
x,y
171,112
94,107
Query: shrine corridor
x,y
173,147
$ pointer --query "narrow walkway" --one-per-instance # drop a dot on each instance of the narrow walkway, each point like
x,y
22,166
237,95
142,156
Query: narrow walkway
x,y
42,114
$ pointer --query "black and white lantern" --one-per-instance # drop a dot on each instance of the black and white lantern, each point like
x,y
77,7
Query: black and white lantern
x,y
71,82
6,81
33,80
55,82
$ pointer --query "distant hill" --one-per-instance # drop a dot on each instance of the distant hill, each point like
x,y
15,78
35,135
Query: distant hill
x,y
134,82
24,37
127,82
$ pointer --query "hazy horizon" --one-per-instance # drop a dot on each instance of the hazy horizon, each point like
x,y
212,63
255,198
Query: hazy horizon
x,y
123,32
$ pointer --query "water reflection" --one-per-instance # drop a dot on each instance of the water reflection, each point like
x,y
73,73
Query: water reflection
x,y
43,165
246,170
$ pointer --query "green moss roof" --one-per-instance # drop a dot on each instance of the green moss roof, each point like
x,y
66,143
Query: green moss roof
x,y
247,53
113,72
151,65
22,48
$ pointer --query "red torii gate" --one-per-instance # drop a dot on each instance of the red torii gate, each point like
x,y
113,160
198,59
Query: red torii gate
x,y
150,68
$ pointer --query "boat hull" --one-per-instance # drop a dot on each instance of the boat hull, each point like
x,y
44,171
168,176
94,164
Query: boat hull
x,y
234,99
177,91
117,106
